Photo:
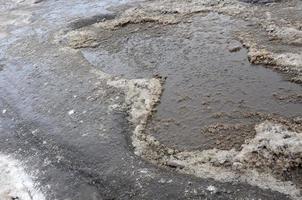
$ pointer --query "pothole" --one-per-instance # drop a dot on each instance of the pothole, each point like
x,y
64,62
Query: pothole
x,y
216,109
211,88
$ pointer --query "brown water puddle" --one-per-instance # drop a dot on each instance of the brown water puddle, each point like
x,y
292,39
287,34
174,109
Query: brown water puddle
x,y
213,96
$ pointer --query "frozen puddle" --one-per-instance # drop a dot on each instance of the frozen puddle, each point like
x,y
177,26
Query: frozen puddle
x,y
15,184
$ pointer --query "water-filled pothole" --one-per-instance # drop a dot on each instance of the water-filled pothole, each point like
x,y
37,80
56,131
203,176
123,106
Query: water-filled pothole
x,y
213,96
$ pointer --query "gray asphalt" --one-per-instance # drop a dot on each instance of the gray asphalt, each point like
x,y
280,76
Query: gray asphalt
x,y
58,119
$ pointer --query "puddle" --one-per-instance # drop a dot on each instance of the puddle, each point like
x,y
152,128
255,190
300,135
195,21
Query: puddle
x,y
213,96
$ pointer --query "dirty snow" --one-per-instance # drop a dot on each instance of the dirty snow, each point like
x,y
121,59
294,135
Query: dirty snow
x,y
141,98
223,165
15,183
271,140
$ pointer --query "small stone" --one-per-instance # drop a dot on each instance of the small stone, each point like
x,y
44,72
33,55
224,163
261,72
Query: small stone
x,y
71,112
212,189
162,180
34,131
4,111
170,181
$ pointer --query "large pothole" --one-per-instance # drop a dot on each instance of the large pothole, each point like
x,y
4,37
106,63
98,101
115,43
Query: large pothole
x,y
210,118
213,96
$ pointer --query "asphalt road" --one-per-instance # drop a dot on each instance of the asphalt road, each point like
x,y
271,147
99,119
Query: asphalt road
x,y
58,120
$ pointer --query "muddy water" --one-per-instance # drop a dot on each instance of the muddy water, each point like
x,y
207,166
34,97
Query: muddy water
x,y
211,88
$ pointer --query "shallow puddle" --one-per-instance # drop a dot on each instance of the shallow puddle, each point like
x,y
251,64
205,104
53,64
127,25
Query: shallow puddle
x,y
213,96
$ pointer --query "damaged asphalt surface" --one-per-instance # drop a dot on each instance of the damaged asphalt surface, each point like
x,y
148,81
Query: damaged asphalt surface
x,y
72,126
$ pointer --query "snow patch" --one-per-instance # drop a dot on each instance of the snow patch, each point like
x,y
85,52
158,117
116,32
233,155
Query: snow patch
x,y
289,35
274,148
15,183
271,139
141,97
285,61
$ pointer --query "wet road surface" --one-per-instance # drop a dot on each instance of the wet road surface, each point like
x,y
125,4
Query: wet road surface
x,y
68,130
